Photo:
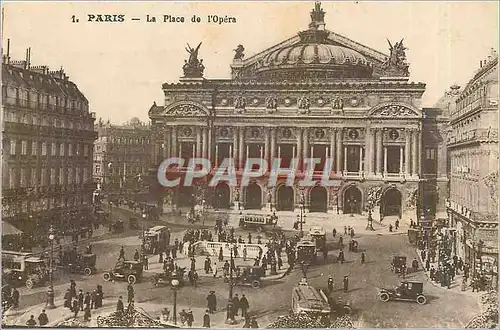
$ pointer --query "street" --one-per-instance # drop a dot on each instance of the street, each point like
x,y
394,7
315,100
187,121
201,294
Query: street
x,y
444,308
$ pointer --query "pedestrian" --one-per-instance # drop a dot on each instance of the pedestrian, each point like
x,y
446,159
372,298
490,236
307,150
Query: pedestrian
x,y
254,324
397,224
15,298
206,320
363,257
214,270
334,232
80,299
280,262
427,264
67,299
244,253
249,238
414,265
145,262
160,257
341,242
42,318
208,265
212,302
190,319
93,299
423,255
193,263
75,308
130,293
352,232
136,255
99,296
31,322
341,256
122,254
86,316
244,306
390,227
86,300
345,230
330,284
346,283
221,256
72,288
119,306
236,304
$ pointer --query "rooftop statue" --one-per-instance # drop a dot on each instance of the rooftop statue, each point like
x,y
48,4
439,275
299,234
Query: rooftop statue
x,y
193,68
396,64
239,52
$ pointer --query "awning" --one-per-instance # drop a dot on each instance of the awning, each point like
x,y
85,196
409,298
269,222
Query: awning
x,y
9,229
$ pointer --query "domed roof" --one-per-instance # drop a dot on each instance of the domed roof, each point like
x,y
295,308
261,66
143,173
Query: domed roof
x,y
314,56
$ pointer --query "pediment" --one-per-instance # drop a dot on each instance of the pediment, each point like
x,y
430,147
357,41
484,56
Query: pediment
x,y
186,109
395,110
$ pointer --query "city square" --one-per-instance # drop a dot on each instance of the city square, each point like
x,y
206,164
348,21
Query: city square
x,y
310,188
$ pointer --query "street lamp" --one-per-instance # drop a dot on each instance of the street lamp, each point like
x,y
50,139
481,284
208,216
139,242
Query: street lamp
x,y
175,284
50,291
230,312
369,225
301,217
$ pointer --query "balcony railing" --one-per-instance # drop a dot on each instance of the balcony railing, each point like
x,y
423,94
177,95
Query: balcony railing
x,y
478,134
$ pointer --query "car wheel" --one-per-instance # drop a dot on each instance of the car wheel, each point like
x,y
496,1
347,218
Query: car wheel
x,y
29,283
131,279
87,271
106,276
384,297
255,284
421,300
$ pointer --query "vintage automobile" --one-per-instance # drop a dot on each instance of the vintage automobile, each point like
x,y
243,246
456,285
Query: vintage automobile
x,y
398,264
84,264
21,268
166,278
407,291
310,300
155,237
258,222
249,276
306,252
128,270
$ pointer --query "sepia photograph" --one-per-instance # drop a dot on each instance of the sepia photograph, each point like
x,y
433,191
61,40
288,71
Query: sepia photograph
x,y
250,164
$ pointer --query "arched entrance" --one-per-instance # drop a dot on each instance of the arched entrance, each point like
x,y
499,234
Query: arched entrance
x,y
253,197
222,196
185,196
285,199
318,198
391,203
352,201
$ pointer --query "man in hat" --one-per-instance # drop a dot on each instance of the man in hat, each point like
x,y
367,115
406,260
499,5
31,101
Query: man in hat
x,y
190,318
330,284
206,320
42,318
346,283
211,302
80,299
119,306
244,306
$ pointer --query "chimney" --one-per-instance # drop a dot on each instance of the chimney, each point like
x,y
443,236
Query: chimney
x,y
29,58
26,59
480,64
8,51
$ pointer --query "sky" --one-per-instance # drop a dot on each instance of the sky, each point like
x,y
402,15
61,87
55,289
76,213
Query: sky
x,y
121,66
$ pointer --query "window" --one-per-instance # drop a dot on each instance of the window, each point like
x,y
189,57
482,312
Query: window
x,y
12,178
53,153
98,169
70,176
85,175
77,175
23,178
430,154
70,149
24,147
61,176
44,148
85,150
52,176
43,176
12,147
33,177
61,149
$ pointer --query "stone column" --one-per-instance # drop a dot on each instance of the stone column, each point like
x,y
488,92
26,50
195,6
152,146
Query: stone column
x,y
361,159
414,153
266,146
338,160
198,142
419,152
156,151
385,161
273,145
401,155
331,153
367,168
241,147
174,141
373,145
345,158
209,147
305,147
299,148
205,143
379,151
166,133
235,147
407,152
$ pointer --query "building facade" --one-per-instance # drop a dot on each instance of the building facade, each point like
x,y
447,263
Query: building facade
x,y
122,157
473,156
318,94
48,134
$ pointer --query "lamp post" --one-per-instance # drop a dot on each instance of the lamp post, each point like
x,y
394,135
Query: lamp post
x,y
175,285
230,314
369,225
301,217
50,291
